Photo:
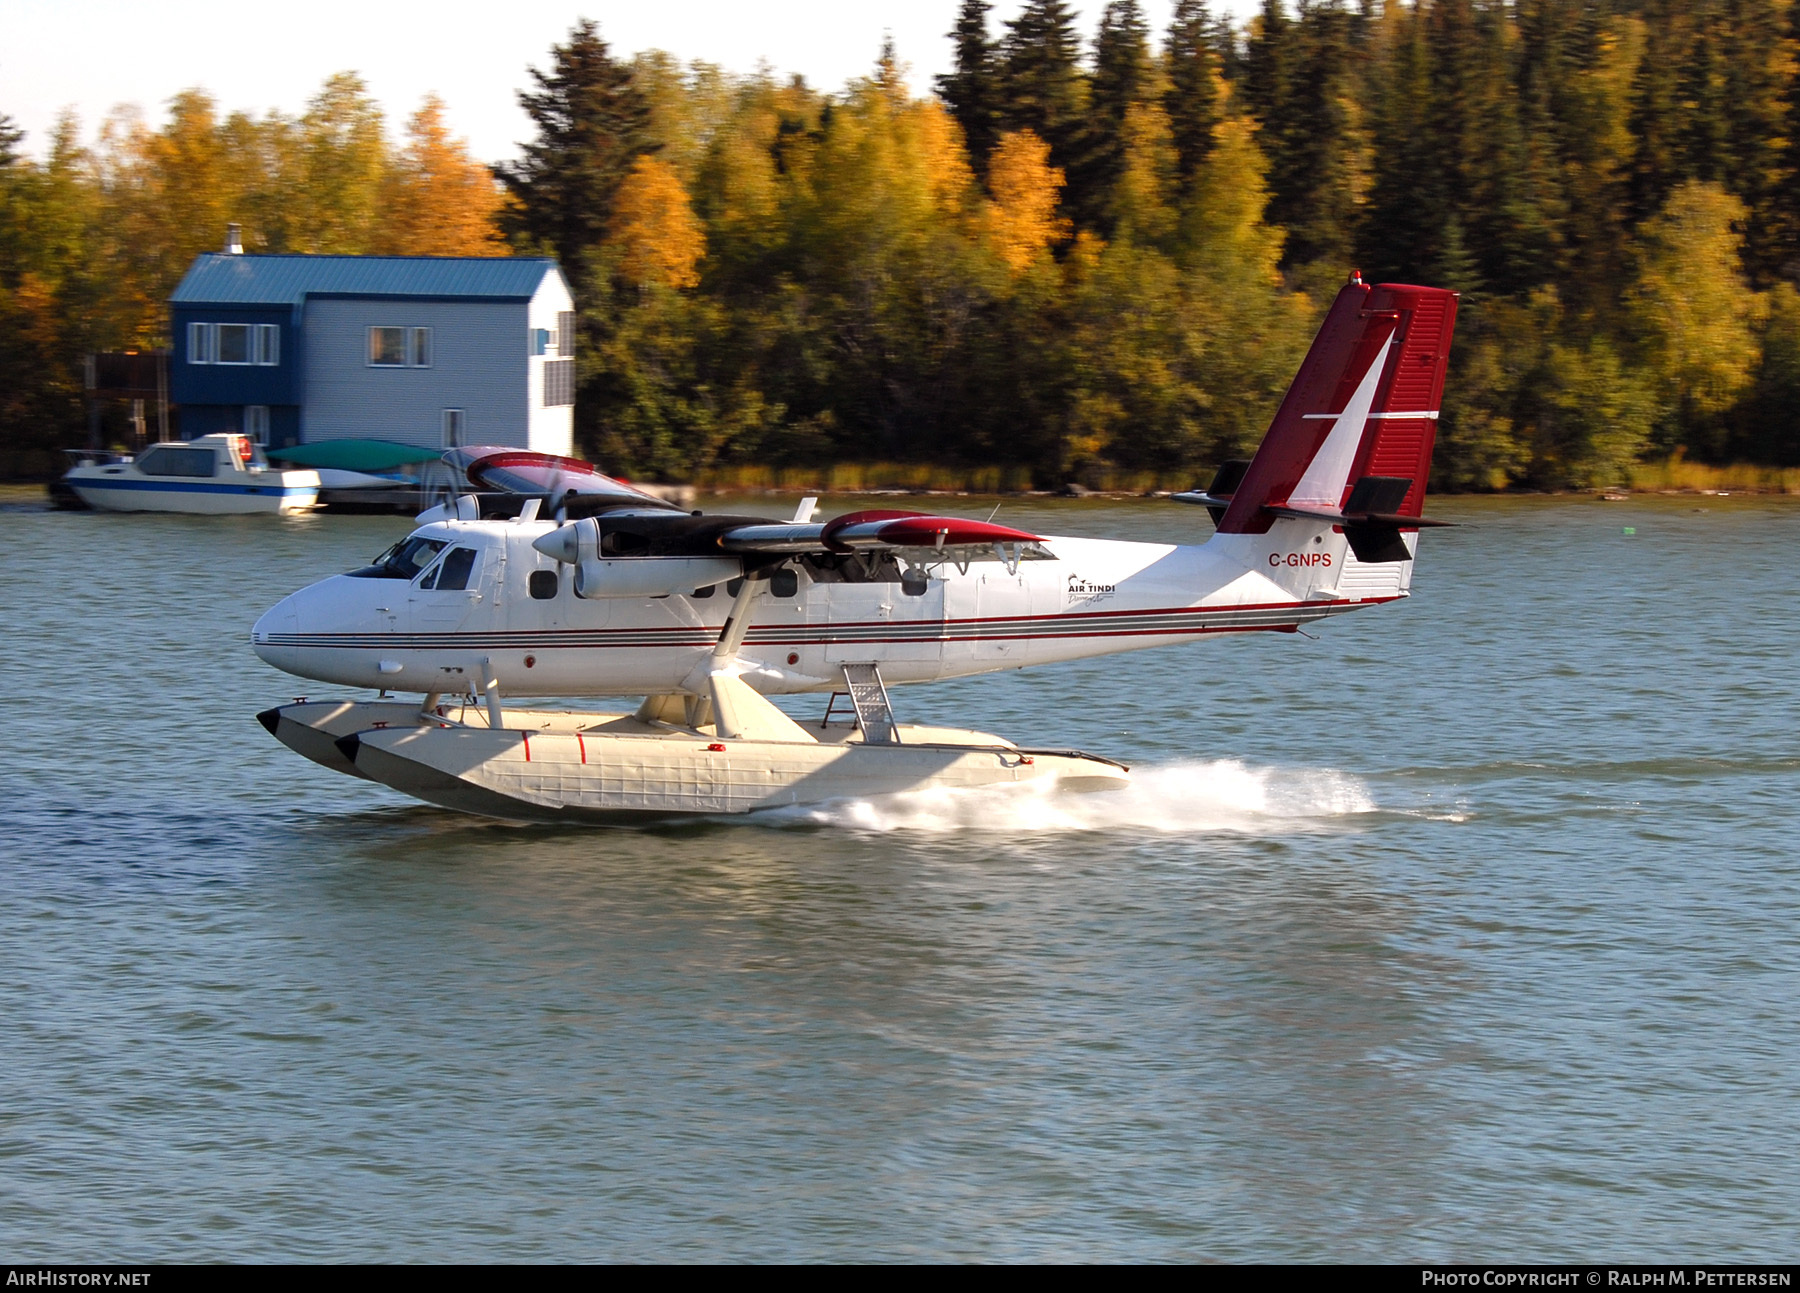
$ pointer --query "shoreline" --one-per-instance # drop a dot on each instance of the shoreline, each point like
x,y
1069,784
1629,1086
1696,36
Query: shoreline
x,y
17,493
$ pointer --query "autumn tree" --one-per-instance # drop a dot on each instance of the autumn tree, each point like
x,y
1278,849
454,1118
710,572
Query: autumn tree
x,y
438,201
658,240
342,169
1022,219
1696,315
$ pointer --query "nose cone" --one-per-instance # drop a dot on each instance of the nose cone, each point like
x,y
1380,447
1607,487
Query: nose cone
x,y
271,635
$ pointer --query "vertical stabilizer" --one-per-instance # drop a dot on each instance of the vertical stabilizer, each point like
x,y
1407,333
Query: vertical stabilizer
x,y
1355,431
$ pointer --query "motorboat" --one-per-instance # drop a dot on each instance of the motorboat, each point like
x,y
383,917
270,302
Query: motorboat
x,y
213,475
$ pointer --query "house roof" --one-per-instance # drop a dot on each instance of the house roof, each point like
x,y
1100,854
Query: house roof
x,y
218,279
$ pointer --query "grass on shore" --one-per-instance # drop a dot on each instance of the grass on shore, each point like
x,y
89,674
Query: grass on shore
x,y
1676,475
1670,476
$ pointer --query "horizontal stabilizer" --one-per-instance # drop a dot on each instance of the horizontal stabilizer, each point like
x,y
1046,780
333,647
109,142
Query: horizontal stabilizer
x,y
1216,497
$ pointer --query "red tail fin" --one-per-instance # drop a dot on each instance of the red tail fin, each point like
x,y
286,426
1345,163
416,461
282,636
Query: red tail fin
x,y
1364,404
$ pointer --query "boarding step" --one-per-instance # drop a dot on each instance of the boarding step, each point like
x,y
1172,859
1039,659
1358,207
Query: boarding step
x,y
873,712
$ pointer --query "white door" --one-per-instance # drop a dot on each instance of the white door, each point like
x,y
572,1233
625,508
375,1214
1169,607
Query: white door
x,y
876,622
987,610
443,598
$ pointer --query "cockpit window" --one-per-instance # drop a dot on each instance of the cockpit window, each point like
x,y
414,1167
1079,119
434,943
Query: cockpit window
x,y
402,561
454,573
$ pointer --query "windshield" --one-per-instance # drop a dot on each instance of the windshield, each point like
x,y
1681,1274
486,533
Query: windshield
x,y
402,561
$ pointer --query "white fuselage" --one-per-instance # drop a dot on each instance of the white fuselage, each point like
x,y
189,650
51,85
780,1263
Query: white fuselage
x,y
539,639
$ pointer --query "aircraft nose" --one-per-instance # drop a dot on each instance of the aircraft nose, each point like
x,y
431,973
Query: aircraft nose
x,y
278,622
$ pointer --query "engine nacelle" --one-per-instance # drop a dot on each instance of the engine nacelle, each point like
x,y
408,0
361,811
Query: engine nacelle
x,y
602,577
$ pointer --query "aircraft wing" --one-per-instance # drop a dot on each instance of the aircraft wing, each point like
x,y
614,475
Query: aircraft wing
x,y
921,538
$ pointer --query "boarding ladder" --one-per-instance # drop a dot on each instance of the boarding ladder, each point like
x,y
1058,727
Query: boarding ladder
x,y
868,695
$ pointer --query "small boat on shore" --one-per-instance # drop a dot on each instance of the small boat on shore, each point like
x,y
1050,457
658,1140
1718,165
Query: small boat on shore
x,y
214,475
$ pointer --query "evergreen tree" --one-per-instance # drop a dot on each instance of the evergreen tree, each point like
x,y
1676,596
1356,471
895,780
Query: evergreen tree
x,y
1402,230
1756,70
1311,137
1787,195
973,90
10,139
1192,98
592,121
1703,133
1226,47
1267,71
1046,93
1655,122
1122,75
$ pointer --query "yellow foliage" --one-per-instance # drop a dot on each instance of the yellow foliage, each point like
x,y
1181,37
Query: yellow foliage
x,y
660,242
439,201
888,171
1697,312
1142,202
939,143
1022,219
1224,232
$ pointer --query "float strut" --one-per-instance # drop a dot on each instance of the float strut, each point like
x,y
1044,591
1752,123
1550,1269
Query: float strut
x,y
731,637
490,688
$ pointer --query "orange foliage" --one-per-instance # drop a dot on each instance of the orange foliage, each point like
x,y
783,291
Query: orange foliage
x,y
659,239
1022,219
439,200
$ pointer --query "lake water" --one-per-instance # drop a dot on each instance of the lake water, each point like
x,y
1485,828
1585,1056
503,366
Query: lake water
x,y
1469,930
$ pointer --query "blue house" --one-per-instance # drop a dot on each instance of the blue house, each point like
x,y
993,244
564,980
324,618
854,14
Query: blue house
x,y
433,351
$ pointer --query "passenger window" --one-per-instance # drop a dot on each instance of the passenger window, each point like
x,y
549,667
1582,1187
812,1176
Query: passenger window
x,y
784,583
543,584
453,574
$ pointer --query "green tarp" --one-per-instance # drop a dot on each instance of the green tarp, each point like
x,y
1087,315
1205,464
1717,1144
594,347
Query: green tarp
x,y
354,455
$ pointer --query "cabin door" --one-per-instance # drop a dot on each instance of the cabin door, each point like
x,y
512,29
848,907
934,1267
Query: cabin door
x,y
986,610
449,593
877,622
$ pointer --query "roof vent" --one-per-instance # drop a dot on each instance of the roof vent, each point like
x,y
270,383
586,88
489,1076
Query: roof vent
x,y
234,240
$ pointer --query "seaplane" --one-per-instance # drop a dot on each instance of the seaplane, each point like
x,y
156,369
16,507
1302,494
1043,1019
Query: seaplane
x,y
552,580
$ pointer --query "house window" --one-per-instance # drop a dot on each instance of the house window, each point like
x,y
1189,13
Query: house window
x,y
399,347
387,347
565,333
236,342
256,423
540,340
453,428
559,383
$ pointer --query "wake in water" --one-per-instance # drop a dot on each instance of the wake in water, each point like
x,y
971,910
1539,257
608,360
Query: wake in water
x,y
1185,797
